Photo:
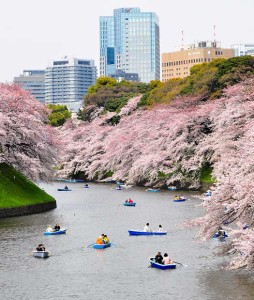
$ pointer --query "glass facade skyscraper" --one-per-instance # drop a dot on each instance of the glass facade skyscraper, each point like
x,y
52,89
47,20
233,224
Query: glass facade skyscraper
x,y
130,41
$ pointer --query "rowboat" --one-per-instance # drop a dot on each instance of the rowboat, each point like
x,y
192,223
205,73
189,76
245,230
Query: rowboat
x,y
74,180
42,254
86,186
139,232
160,266
208,194
64,190
101,246
172,188
129,204
179,200
153,190
53,232
118,188
220,235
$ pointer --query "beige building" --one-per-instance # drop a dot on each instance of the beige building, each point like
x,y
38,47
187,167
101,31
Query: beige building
x,y
178,63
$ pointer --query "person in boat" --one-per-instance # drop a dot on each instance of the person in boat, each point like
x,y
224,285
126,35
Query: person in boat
x,y
176,198
166,260
66,187
158,258
86,185
105,239
221,232
130,201
99,240
160,228
57,227
49,229
147,228
40,247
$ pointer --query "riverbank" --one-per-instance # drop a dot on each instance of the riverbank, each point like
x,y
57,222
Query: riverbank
x,y
19,196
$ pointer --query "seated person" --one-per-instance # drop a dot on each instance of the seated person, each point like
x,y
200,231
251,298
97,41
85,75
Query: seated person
x,y
86,185
40,247
130,200
105,239
57,227
158,258
147,228
160,228
166,260
66,187
176,198
221,232
49,229
99,240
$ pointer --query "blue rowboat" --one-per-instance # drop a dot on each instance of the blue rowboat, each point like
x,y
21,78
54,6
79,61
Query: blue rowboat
x,y
61,231
64,190
153,190
172,188
179,200
208,194
74,180
220,235
129,204
139,232
160,266
86,186
101,246
119,188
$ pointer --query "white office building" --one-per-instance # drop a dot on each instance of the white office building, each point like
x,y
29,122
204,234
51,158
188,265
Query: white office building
x,y
243,49
34,82
67,81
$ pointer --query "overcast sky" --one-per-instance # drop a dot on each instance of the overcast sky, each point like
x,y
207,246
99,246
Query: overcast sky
x,y
34,31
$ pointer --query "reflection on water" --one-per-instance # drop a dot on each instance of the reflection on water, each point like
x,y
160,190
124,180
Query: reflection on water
x,y
76,272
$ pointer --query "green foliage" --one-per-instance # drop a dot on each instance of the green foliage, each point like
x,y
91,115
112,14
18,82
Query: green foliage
x,y
206,80
206,174
101,81
59,114
16,190
113,95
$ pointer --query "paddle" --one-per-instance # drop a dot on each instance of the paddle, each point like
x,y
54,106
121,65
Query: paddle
x,y
180,264
88,246
114,245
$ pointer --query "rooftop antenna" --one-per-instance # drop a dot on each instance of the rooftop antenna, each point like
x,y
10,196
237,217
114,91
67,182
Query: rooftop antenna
x,y
182,41
214,37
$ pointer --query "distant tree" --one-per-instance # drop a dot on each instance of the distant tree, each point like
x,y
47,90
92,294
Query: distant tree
x,y
26,141
59,114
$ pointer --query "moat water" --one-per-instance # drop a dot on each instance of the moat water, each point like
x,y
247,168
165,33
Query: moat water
x,y
74,271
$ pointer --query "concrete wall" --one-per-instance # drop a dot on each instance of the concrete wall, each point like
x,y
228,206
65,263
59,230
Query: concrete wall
x,y
26,210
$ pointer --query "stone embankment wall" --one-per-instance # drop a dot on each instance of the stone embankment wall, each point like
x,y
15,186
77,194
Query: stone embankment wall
x,y
26,210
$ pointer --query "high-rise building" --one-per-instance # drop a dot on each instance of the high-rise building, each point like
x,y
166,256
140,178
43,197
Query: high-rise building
x,y
130,42
67,81
34,82
178,63
243,49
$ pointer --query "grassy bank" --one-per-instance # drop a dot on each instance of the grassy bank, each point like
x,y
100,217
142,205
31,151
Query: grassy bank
x,y
16,190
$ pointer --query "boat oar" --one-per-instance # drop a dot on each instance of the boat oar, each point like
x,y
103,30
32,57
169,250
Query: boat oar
x,y
88,246
180,264
114,245
30,253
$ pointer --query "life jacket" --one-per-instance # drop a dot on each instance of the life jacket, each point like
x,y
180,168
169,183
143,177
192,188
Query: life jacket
x,y
99,240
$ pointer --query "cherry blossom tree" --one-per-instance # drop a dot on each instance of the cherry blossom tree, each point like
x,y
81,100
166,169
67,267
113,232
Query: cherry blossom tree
x,y
26,141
